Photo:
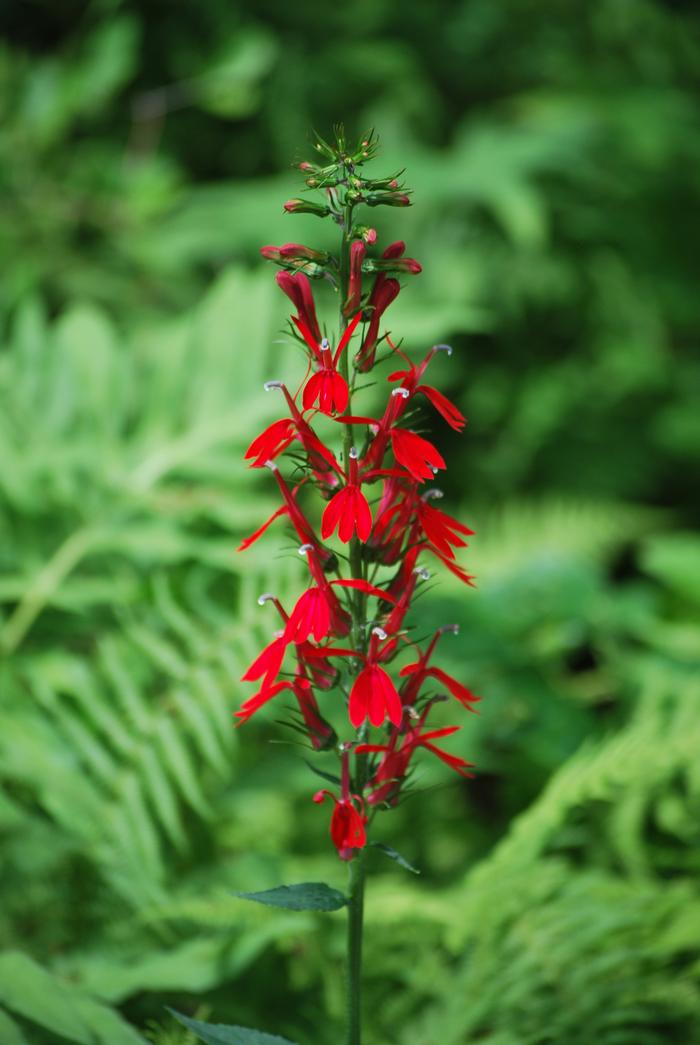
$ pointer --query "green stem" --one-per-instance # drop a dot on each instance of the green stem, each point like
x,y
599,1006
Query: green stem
x,y
356,889
356,867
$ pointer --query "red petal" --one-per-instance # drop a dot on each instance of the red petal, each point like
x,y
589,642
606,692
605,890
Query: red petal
x,y
454,417
347,334
391,699
363,515
255,702
268,662
307,336
360,696
258,533
312,390
464,695
339,392
416,454
365,587
333,512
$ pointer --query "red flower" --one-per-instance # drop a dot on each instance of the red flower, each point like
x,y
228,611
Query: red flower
x,y
298,289
318,666
348,511
373,695
280,434
271,443
357,254
440,528
268,663
391,772
410,381
321,734
317,610
347,823
254,703
311,616
384,291
417,455
419,671
326,386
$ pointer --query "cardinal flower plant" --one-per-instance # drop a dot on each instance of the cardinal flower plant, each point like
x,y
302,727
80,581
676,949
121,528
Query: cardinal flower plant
x,y
349,642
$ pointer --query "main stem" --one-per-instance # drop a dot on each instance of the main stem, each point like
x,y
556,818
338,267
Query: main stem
x,y
356,897
356,867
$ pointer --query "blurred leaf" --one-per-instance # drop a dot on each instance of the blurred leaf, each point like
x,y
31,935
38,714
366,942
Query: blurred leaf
x,y
674,559
32,992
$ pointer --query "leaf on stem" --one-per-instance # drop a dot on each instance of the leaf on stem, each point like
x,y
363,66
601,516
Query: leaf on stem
x,y
393,855
225,1034
306,896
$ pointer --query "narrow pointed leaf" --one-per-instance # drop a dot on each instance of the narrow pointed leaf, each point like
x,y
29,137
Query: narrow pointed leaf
x,y
307,896
330,777
393,855
225,1034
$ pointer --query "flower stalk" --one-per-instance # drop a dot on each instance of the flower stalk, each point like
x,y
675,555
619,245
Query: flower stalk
x,y
349,636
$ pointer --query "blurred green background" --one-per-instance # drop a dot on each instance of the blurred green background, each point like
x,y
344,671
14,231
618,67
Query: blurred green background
x,y
145,152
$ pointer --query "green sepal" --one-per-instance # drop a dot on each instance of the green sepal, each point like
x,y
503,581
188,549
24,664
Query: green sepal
x,y
225,1034
306,896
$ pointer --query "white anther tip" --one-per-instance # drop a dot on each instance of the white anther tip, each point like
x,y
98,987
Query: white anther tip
x,y
403,392
379,632
422,573
272,466
269,385
443,348
353,453
305,548
267,597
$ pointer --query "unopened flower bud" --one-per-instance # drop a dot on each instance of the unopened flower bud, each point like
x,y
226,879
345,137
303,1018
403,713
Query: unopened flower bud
x,y
387,199
409,265
299,206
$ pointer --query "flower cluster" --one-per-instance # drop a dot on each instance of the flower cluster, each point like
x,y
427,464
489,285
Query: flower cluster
x,y
347,642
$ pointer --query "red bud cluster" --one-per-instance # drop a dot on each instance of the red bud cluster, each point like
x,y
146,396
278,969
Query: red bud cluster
x,y
347,640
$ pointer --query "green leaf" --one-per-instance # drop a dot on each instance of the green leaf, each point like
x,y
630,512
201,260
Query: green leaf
x,y
674,559
330,777
10,1032
54,1003
307,896
223,1034
393,855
